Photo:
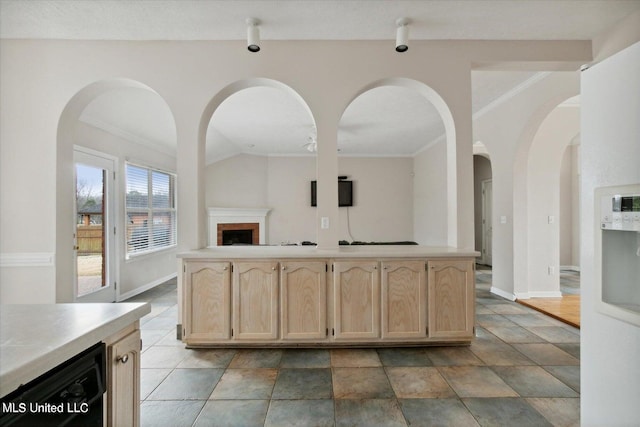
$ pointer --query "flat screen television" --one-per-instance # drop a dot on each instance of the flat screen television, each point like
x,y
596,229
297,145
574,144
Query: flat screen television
x,y
345,193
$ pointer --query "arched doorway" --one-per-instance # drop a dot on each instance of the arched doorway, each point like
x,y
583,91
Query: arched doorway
x,y
116,121
397,138
260,144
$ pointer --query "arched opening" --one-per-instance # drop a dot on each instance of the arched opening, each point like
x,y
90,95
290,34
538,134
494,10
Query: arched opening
x,y
104,128
538,197
396,142
259,138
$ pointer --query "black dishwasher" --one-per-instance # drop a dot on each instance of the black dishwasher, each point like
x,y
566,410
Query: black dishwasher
x,y
67,395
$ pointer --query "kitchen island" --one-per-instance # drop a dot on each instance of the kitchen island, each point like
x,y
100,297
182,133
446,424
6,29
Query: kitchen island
x,y
35,339
351,296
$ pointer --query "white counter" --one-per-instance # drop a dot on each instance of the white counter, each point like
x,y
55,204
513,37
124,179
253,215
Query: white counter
x,y
351,251
36,338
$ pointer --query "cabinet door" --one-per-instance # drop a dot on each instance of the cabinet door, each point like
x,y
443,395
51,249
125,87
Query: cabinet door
x,y
207,301
304,300
123,393
356,300
404,311
451,298
255,300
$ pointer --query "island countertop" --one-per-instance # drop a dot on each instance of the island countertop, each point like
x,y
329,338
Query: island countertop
x,y
35,338
344,252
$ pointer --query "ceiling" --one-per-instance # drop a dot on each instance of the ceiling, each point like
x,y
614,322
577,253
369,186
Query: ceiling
x,y
283,126
307,19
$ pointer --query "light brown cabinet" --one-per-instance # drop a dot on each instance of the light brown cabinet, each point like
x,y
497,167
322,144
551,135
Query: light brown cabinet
x,y
356,299
303,286
207,301
290,302
451,298
404,299
255,300
123,378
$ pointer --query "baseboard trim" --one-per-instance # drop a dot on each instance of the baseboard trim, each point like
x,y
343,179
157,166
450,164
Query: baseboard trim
x,y
502,293
146,287
28,259
541,294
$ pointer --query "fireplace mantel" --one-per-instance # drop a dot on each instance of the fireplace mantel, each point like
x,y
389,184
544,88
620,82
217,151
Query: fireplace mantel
x,y
236,216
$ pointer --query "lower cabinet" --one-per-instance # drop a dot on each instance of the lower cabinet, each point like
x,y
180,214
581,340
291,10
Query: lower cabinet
x,y
404,299
298,302
451,298
255,300
207,302
303,285
123,378
356,299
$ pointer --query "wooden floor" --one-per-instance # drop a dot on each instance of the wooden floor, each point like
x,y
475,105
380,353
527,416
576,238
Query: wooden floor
x,y
565,309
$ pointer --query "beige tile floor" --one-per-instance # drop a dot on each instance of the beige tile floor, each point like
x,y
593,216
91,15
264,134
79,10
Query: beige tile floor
x,y
522,369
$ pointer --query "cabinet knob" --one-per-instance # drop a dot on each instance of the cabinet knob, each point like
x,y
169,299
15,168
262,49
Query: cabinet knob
x,y
284,267
123,359
273,268
225,268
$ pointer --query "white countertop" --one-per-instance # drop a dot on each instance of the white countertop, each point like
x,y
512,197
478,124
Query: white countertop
x,y
350,251
35,338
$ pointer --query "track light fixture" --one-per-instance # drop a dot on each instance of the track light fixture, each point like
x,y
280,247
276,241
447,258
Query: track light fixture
x,y
253,35
402,35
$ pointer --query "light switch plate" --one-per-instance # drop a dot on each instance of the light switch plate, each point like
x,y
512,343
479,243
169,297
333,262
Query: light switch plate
x,y
324,222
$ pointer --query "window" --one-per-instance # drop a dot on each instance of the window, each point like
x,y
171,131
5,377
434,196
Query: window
x,y
151,209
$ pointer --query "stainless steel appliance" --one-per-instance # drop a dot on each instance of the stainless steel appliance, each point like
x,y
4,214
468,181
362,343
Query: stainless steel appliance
x,y
617,252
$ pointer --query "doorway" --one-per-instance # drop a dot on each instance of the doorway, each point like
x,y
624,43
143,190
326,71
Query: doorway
x,y
483,207
94,232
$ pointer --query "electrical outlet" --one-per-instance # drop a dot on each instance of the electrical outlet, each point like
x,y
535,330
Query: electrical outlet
x,y
552,270
551,219
324,222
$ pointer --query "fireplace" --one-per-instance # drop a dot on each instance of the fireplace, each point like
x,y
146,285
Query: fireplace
x,y
234,220
246,233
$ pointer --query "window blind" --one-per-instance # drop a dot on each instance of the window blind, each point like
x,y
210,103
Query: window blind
x,y
150,208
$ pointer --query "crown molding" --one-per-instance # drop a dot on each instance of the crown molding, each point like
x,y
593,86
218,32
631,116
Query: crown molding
x,y
126,135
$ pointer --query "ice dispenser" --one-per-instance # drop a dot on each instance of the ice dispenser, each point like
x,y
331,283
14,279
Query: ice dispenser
x,y
617,252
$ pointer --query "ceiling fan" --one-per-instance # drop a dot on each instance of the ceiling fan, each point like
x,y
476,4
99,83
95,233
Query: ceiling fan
x,y
312,144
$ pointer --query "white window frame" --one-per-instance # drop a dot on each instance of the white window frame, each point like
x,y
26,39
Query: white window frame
x,y
150,210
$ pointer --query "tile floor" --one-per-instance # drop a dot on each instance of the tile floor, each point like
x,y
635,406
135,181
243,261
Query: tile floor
x,y
569,282
522,369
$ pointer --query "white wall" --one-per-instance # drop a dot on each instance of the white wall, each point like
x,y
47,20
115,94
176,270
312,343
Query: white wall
x,y
543,199
383,199
610,155
569,219
237,182
429,213
383,195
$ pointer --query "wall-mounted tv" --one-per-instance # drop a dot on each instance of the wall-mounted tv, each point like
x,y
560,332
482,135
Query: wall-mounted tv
x,y
345,193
